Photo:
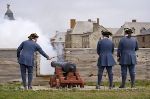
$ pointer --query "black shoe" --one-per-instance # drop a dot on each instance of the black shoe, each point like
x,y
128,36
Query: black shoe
x,y
132,86
29,87
122,86
111,87
97,87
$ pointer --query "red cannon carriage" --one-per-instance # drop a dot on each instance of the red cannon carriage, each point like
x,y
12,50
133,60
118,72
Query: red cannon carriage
x,y
65,75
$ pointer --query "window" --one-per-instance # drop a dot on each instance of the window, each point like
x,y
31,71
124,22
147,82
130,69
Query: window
x,y
60,38
143,39
133,29
148,30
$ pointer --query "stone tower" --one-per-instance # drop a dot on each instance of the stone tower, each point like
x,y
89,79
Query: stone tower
x,y
9,14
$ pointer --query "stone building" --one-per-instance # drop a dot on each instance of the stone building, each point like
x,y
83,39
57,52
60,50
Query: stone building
x,y
59,38
137,27
84,34
144,38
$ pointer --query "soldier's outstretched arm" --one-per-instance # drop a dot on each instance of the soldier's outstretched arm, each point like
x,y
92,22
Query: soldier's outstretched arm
x,y
40,50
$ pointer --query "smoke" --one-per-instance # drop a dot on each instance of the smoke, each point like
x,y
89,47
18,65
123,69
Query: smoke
x,y
60,52
59,47
12,33
45,67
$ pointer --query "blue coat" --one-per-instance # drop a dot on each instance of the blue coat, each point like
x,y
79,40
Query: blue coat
x,y
25,52
105,48
126,50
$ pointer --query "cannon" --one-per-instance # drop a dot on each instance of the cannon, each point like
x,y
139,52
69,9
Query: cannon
x,y
66,66
65,75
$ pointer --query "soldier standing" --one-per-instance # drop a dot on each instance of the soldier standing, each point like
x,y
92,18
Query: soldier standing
x,y
127,57
25,55
105,49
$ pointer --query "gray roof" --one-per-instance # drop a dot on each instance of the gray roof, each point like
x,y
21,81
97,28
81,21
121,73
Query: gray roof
x,y
83,27
112,30
136,26
145,32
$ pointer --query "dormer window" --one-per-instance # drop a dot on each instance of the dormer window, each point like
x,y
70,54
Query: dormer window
x,y
133,29
142,30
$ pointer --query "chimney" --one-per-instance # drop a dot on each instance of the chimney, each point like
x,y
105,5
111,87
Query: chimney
x,y
72,23
89,20
134,20
98,21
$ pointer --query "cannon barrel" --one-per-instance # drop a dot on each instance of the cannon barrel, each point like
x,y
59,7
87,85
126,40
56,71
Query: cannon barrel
x,y
66,66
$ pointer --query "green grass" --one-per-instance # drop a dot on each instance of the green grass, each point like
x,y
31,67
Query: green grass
x,y
139,83
75,94
12,91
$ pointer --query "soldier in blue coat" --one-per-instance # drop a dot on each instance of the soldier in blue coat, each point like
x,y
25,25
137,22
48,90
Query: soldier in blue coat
x,y
25,55
105,49
127,56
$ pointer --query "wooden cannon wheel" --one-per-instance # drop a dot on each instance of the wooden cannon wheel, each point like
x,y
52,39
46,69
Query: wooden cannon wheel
x,y
57,83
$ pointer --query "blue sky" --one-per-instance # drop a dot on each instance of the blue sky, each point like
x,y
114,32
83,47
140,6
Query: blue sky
x,y
53,15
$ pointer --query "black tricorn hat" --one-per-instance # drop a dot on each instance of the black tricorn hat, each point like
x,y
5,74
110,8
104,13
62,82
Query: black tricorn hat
x,y
33,36
128,31
106,33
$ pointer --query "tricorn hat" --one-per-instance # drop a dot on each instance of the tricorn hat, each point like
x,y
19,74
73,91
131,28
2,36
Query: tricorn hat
x,y
33,36
106,33
128,31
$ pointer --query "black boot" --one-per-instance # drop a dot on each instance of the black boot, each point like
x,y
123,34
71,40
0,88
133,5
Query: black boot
x,y
97,86
99,81
123,82
132,81
110,81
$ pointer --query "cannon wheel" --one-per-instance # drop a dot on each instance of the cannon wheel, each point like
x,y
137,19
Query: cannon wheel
x,y
57,83
81,85
52,81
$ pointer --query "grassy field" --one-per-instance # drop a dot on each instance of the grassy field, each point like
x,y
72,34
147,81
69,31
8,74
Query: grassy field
x,y
12,91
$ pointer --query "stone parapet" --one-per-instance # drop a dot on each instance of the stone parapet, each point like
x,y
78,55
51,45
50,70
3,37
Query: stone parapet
x,y
86,61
